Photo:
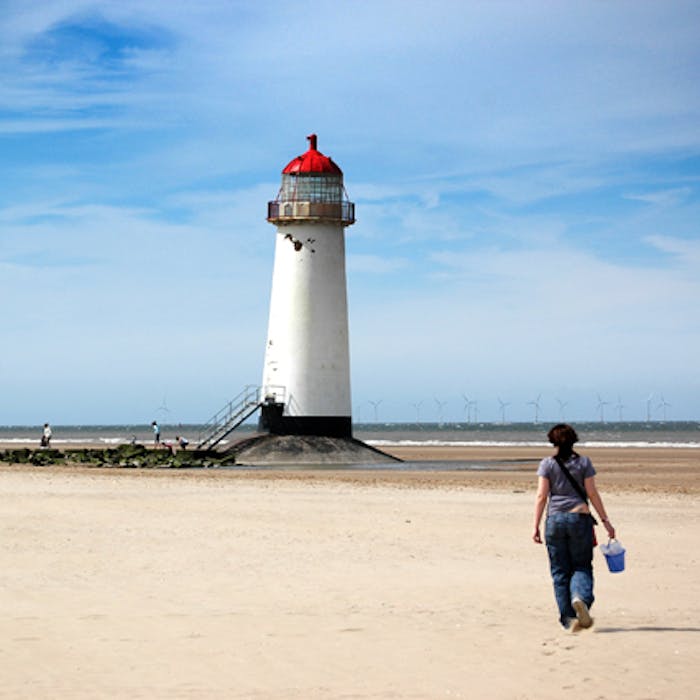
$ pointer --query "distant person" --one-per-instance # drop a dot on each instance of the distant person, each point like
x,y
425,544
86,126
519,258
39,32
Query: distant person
x,y
156,433
46,436
569,526
182,441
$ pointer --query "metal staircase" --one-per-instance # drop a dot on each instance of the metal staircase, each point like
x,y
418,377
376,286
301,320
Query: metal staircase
x,y
229,418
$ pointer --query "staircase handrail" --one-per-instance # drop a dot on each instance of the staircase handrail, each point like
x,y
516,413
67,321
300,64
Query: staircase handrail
x,y
236,411
217,436
247,398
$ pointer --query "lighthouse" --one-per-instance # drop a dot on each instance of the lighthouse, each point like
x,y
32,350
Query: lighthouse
x,y
306,373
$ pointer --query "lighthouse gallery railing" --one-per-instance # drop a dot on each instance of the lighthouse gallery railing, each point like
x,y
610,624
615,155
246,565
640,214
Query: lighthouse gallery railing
x,y
304,210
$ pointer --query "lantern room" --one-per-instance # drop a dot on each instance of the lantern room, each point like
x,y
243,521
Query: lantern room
x,y
312,190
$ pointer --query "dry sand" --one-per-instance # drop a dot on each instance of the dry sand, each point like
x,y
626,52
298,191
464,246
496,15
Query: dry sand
x,y
338,584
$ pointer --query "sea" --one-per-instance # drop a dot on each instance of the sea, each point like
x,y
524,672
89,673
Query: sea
x,y
676,434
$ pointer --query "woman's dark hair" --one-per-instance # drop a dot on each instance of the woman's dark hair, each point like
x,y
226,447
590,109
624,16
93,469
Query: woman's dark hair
x,y
562,435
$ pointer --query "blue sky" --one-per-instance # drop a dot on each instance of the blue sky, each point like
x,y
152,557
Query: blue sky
x,y
526,178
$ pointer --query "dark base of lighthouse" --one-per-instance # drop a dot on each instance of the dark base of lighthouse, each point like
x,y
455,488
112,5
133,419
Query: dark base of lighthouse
x,y
273,421
306,451
307,441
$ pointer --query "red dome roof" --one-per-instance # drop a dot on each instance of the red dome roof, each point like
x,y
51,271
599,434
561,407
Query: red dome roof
x,y
312,161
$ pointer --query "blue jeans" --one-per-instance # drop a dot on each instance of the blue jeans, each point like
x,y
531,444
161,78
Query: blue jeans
x,y
569,538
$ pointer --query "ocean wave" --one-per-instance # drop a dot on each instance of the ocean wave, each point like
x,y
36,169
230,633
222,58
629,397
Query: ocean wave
x,y
543,445
97,441
643,444
68,441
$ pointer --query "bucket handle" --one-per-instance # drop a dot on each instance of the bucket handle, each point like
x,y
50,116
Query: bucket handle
x,y
606,547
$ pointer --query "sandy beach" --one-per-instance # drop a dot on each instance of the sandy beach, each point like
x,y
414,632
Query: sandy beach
x,y
339,583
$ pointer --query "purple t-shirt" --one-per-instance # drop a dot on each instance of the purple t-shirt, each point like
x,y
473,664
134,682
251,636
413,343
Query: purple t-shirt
x,y
562,495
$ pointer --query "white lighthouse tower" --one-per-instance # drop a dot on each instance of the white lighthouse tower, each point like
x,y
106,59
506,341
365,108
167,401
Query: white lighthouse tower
x,y
306,375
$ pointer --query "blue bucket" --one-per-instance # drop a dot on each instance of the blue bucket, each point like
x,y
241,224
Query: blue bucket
x,y
614,556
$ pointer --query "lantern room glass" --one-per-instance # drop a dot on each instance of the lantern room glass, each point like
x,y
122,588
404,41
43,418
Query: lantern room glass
x,y
311,188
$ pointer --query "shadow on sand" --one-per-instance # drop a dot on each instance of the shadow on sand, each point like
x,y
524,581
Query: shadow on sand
x,y
613,630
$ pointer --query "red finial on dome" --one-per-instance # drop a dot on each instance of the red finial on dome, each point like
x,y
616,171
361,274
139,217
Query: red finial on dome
x,y
313,161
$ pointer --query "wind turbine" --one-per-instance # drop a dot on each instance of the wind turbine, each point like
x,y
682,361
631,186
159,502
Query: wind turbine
x,y
536,404
163,408
475,403
376,406
663,406
649,400
562,406
417,406
467,408
503,405
601,407
440,406
619,406
358,413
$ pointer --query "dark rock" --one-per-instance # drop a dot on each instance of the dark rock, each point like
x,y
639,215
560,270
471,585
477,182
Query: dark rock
x,y
44,457
20,456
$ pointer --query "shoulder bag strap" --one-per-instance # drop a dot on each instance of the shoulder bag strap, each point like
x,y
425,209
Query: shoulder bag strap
x,y
571,479
579,490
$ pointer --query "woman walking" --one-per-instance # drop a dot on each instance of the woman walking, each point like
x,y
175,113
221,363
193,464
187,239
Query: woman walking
x,y
566,481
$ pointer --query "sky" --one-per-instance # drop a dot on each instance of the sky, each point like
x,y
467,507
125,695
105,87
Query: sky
x,y
526,176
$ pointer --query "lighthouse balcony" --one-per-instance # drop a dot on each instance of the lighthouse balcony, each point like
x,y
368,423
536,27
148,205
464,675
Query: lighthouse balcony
x,y
296,211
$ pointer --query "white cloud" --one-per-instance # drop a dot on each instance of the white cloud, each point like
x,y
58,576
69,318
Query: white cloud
x,y
686,253
667,197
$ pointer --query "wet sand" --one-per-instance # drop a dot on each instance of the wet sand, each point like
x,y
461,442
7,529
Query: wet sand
x,y
226,583
620,469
